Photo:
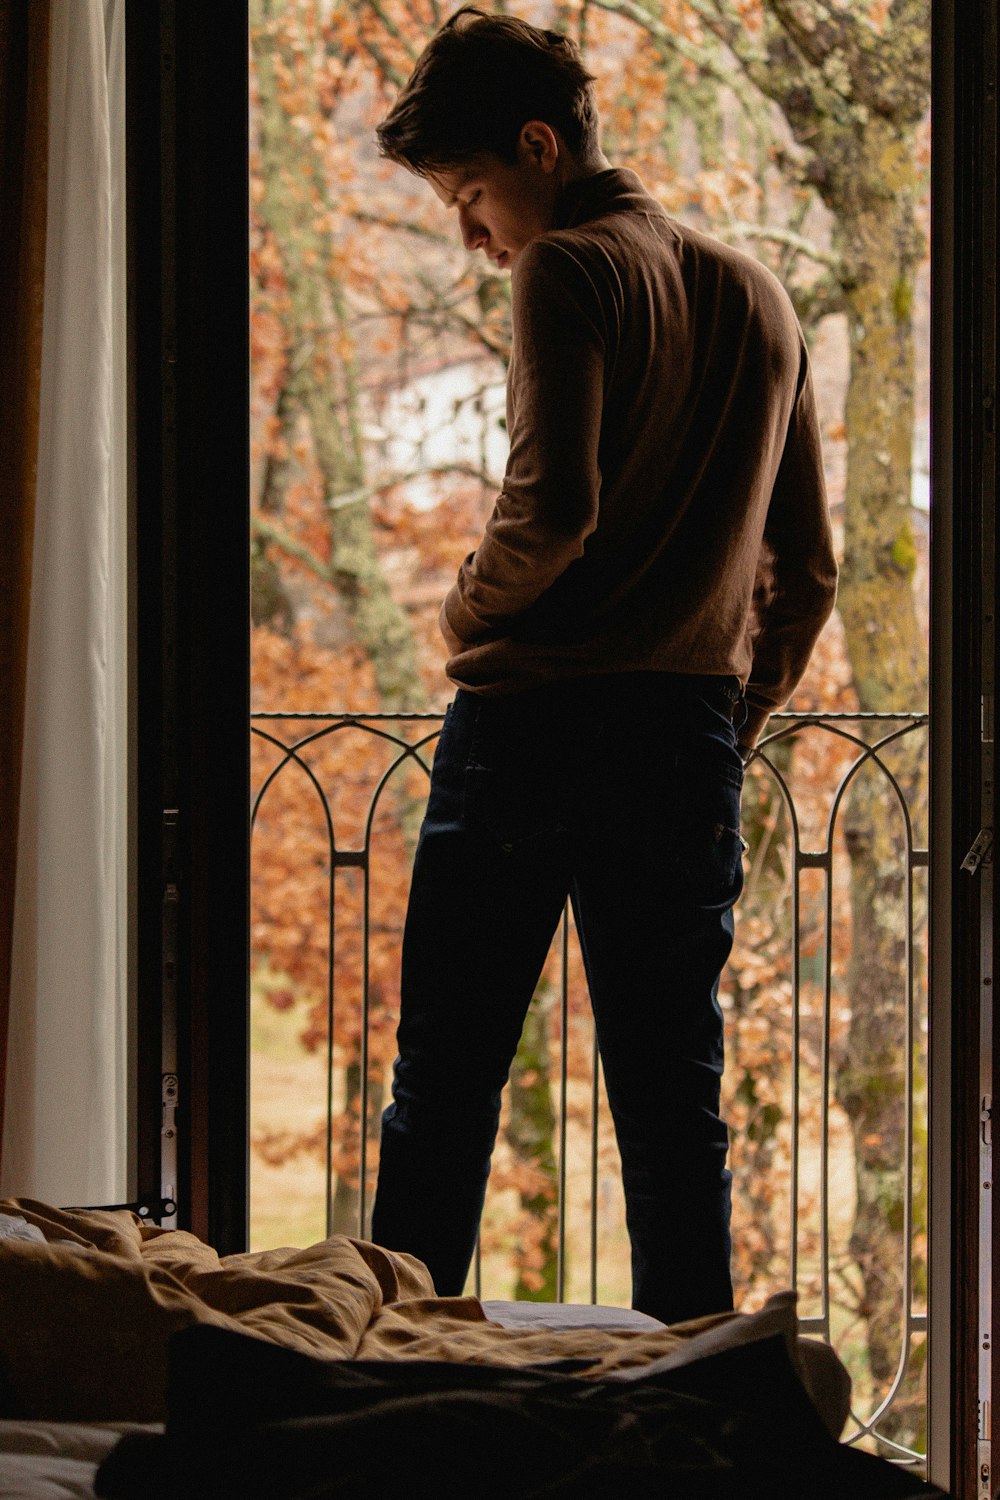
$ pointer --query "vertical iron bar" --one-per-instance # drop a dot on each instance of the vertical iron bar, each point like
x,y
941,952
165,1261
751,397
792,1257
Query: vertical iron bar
x,y
365,1012
908,1117
169,1081
824,1145
793,1243
563,1088
594,1104
986,631
331,953
986,1095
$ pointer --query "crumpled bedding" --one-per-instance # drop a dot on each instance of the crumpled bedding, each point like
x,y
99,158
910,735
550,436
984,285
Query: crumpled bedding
x,y
248,1420
87,1317
333,1372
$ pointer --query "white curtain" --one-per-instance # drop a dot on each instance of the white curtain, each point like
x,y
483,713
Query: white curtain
x,y
65,1121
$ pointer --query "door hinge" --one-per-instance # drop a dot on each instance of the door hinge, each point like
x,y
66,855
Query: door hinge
x,y
168,1142
980,851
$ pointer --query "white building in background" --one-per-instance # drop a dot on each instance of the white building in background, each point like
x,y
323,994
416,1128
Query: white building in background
x,y
454,415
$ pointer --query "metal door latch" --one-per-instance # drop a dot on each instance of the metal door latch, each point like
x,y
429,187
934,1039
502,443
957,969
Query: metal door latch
x,y
979,852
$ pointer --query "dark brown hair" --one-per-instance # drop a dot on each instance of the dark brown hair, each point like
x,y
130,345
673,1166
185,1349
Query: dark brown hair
x,y
479,80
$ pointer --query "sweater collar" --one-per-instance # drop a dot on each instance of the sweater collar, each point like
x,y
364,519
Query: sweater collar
x,y
615,190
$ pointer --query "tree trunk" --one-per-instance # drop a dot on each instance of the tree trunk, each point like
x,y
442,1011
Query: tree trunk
x,y
270,602
885,644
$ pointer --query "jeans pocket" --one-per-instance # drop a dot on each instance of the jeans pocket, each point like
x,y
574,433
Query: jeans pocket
x,y
708,845
710,860
514,777
509,807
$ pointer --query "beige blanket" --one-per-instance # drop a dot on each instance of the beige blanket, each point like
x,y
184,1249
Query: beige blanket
x,y
85,1318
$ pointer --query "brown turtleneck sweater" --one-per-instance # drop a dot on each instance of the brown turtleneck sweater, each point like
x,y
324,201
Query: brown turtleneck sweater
x,y
663,507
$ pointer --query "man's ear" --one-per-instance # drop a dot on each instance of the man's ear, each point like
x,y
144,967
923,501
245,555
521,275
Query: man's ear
x,y
540,144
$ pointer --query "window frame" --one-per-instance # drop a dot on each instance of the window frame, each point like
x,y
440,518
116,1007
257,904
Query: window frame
x,y
188,186
188,189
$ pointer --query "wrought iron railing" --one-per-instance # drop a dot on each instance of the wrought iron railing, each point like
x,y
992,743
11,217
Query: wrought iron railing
x,y
851,751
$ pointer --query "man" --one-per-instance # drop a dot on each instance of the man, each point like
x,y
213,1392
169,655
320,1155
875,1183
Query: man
x,y
659,562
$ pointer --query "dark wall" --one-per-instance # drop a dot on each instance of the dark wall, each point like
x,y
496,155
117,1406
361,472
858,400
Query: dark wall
x,y
188,233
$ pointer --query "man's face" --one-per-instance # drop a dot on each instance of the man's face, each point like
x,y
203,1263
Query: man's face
x,y
501,207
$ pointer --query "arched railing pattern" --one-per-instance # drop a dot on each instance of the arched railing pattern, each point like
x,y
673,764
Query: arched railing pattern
x,y
865,747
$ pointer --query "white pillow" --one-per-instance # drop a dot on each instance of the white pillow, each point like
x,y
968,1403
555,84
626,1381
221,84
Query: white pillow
x,y
12,1227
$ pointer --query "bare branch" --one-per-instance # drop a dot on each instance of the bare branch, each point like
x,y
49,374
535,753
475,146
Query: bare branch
x,y
751,53
742,228
366,493
390,73
391,221
832,31
392,29
436,471
787,258
267,531
497,343
820,299
419,21
773,64
708,64
813,47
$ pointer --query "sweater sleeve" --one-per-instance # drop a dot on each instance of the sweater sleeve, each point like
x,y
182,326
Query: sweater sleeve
x,y
797,573
549,501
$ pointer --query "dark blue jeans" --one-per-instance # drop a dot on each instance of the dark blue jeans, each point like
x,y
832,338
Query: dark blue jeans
x,y
623,793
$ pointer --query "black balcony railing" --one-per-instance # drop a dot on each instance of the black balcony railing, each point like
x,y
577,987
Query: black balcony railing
x,y
818,787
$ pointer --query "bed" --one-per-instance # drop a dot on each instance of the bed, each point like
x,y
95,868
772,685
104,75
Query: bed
x,y
133,1361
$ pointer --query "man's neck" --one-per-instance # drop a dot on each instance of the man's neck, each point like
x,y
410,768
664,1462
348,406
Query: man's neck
x,y
579,168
